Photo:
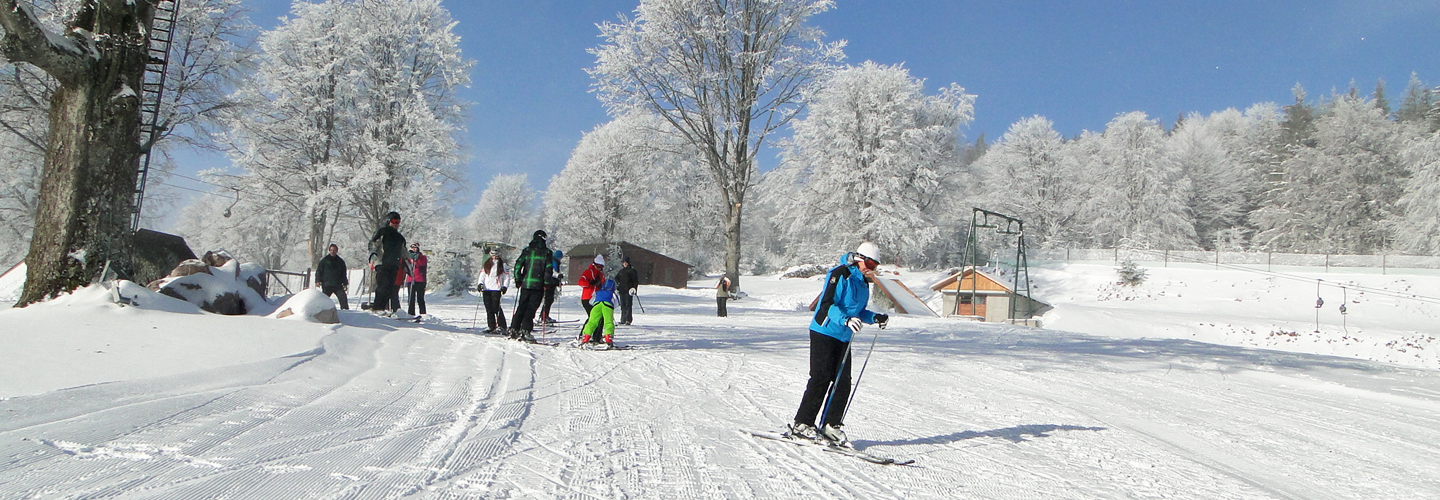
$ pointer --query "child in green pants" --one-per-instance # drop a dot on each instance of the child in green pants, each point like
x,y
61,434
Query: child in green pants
x,y
602,311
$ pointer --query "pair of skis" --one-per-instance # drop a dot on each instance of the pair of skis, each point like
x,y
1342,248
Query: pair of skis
x,y
842,450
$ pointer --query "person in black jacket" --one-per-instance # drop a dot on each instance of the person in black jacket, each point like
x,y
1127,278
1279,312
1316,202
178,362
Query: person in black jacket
x,y
333,277
391,249
626,281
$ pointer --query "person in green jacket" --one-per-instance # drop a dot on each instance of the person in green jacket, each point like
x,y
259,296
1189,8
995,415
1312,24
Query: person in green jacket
x,y
530,271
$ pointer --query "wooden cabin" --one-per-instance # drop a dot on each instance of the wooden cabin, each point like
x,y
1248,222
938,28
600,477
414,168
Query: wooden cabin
x,y
652,267
979,295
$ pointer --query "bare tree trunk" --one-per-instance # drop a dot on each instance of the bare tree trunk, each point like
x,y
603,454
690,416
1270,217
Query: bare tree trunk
x,y
732,244
92,157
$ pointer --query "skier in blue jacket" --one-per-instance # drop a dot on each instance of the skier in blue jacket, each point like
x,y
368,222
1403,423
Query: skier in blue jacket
x,y
839,315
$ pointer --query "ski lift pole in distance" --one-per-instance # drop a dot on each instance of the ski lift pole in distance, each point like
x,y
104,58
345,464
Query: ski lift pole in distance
x,y
1319,302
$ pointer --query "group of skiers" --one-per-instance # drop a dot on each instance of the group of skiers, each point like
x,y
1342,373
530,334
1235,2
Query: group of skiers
x,y
840,312
537,272
394,268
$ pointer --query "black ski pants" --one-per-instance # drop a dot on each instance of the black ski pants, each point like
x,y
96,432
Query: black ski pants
x,y
338,291
494,312
549,299
417,294
530,299
826,355
387,293
626,300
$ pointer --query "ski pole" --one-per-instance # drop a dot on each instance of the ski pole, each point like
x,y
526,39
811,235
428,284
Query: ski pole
x,y
475,320
637,302
861,375
830,396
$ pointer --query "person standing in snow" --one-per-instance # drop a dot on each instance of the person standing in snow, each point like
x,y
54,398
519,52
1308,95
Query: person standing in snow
x,y
839,315
552,287
494,282
626,281
419,265
390,245
602,313
333,276
722,294
530,273
590,280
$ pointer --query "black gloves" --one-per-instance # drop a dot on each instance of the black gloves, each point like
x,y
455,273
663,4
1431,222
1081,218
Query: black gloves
x,y
882,320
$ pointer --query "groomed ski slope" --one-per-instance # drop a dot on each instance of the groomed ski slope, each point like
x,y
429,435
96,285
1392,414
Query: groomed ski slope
x,y
383,409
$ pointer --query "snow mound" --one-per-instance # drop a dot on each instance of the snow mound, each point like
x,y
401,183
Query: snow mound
x,y
309,305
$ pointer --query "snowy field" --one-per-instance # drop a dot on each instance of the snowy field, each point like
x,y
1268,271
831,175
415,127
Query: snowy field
x,y
1201,383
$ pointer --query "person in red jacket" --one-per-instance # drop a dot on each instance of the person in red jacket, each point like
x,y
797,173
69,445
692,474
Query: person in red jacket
x,y
419,265
590,280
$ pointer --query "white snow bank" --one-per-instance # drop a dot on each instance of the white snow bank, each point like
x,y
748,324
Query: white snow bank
x,y
308,305
86,338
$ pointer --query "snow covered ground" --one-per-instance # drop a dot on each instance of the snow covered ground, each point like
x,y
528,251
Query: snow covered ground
x,y
1202,383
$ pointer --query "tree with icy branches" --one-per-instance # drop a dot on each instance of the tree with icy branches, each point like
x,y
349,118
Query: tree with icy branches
x,y
875,151
725,74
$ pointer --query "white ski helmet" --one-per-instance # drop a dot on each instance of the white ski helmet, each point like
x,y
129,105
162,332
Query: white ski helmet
x,y
868,250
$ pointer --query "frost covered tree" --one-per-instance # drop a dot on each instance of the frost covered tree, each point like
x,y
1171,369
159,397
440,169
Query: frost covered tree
x,y
355,115
1418,231
871,158
1226,188
605,182
1025,175
1138,192
1217,181
97,58
506,212
409,67
1338,194
207,55
1419,106
724,74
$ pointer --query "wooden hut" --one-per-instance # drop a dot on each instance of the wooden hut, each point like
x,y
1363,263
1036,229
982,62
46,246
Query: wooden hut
x,y
653,268
979,295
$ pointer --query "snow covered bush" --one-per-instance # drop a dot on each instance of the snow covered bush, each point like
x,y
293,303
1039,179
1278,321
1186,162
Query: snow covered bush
x,y
1130,273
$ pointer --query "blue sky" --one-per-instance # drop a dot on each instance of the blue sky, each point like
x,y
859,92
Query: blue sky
x,y
1078,63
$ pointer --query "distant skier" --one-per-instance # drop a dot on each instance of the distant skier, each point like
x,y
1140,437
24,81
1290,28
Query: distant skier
x,y
590,280
722,294
602,313
390,245
626,281
552,287
839,315
494,282
333,276
530,272
418,265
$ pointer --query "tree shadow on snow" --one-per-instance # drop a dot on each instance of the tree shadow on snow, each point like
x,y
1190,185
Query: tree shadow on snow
x,y
1017,434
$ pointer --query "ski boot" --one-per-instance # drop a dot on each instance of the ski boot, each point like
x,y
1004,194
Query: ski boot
x,y
801,432
609,342
834,436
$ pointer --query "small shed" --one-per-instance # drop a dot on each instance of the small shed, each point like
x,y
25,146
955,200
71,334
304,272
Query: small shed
x,y
980,295
653,268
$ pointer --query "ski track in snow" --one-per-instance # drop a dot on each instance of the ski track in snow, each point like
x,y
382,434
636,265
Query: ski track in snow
x,y
433,411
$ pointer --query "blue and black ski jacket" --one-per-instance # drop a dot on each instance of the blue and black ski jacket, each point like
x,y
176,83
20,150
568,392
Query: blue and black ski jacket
x,y
845,296
606,293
